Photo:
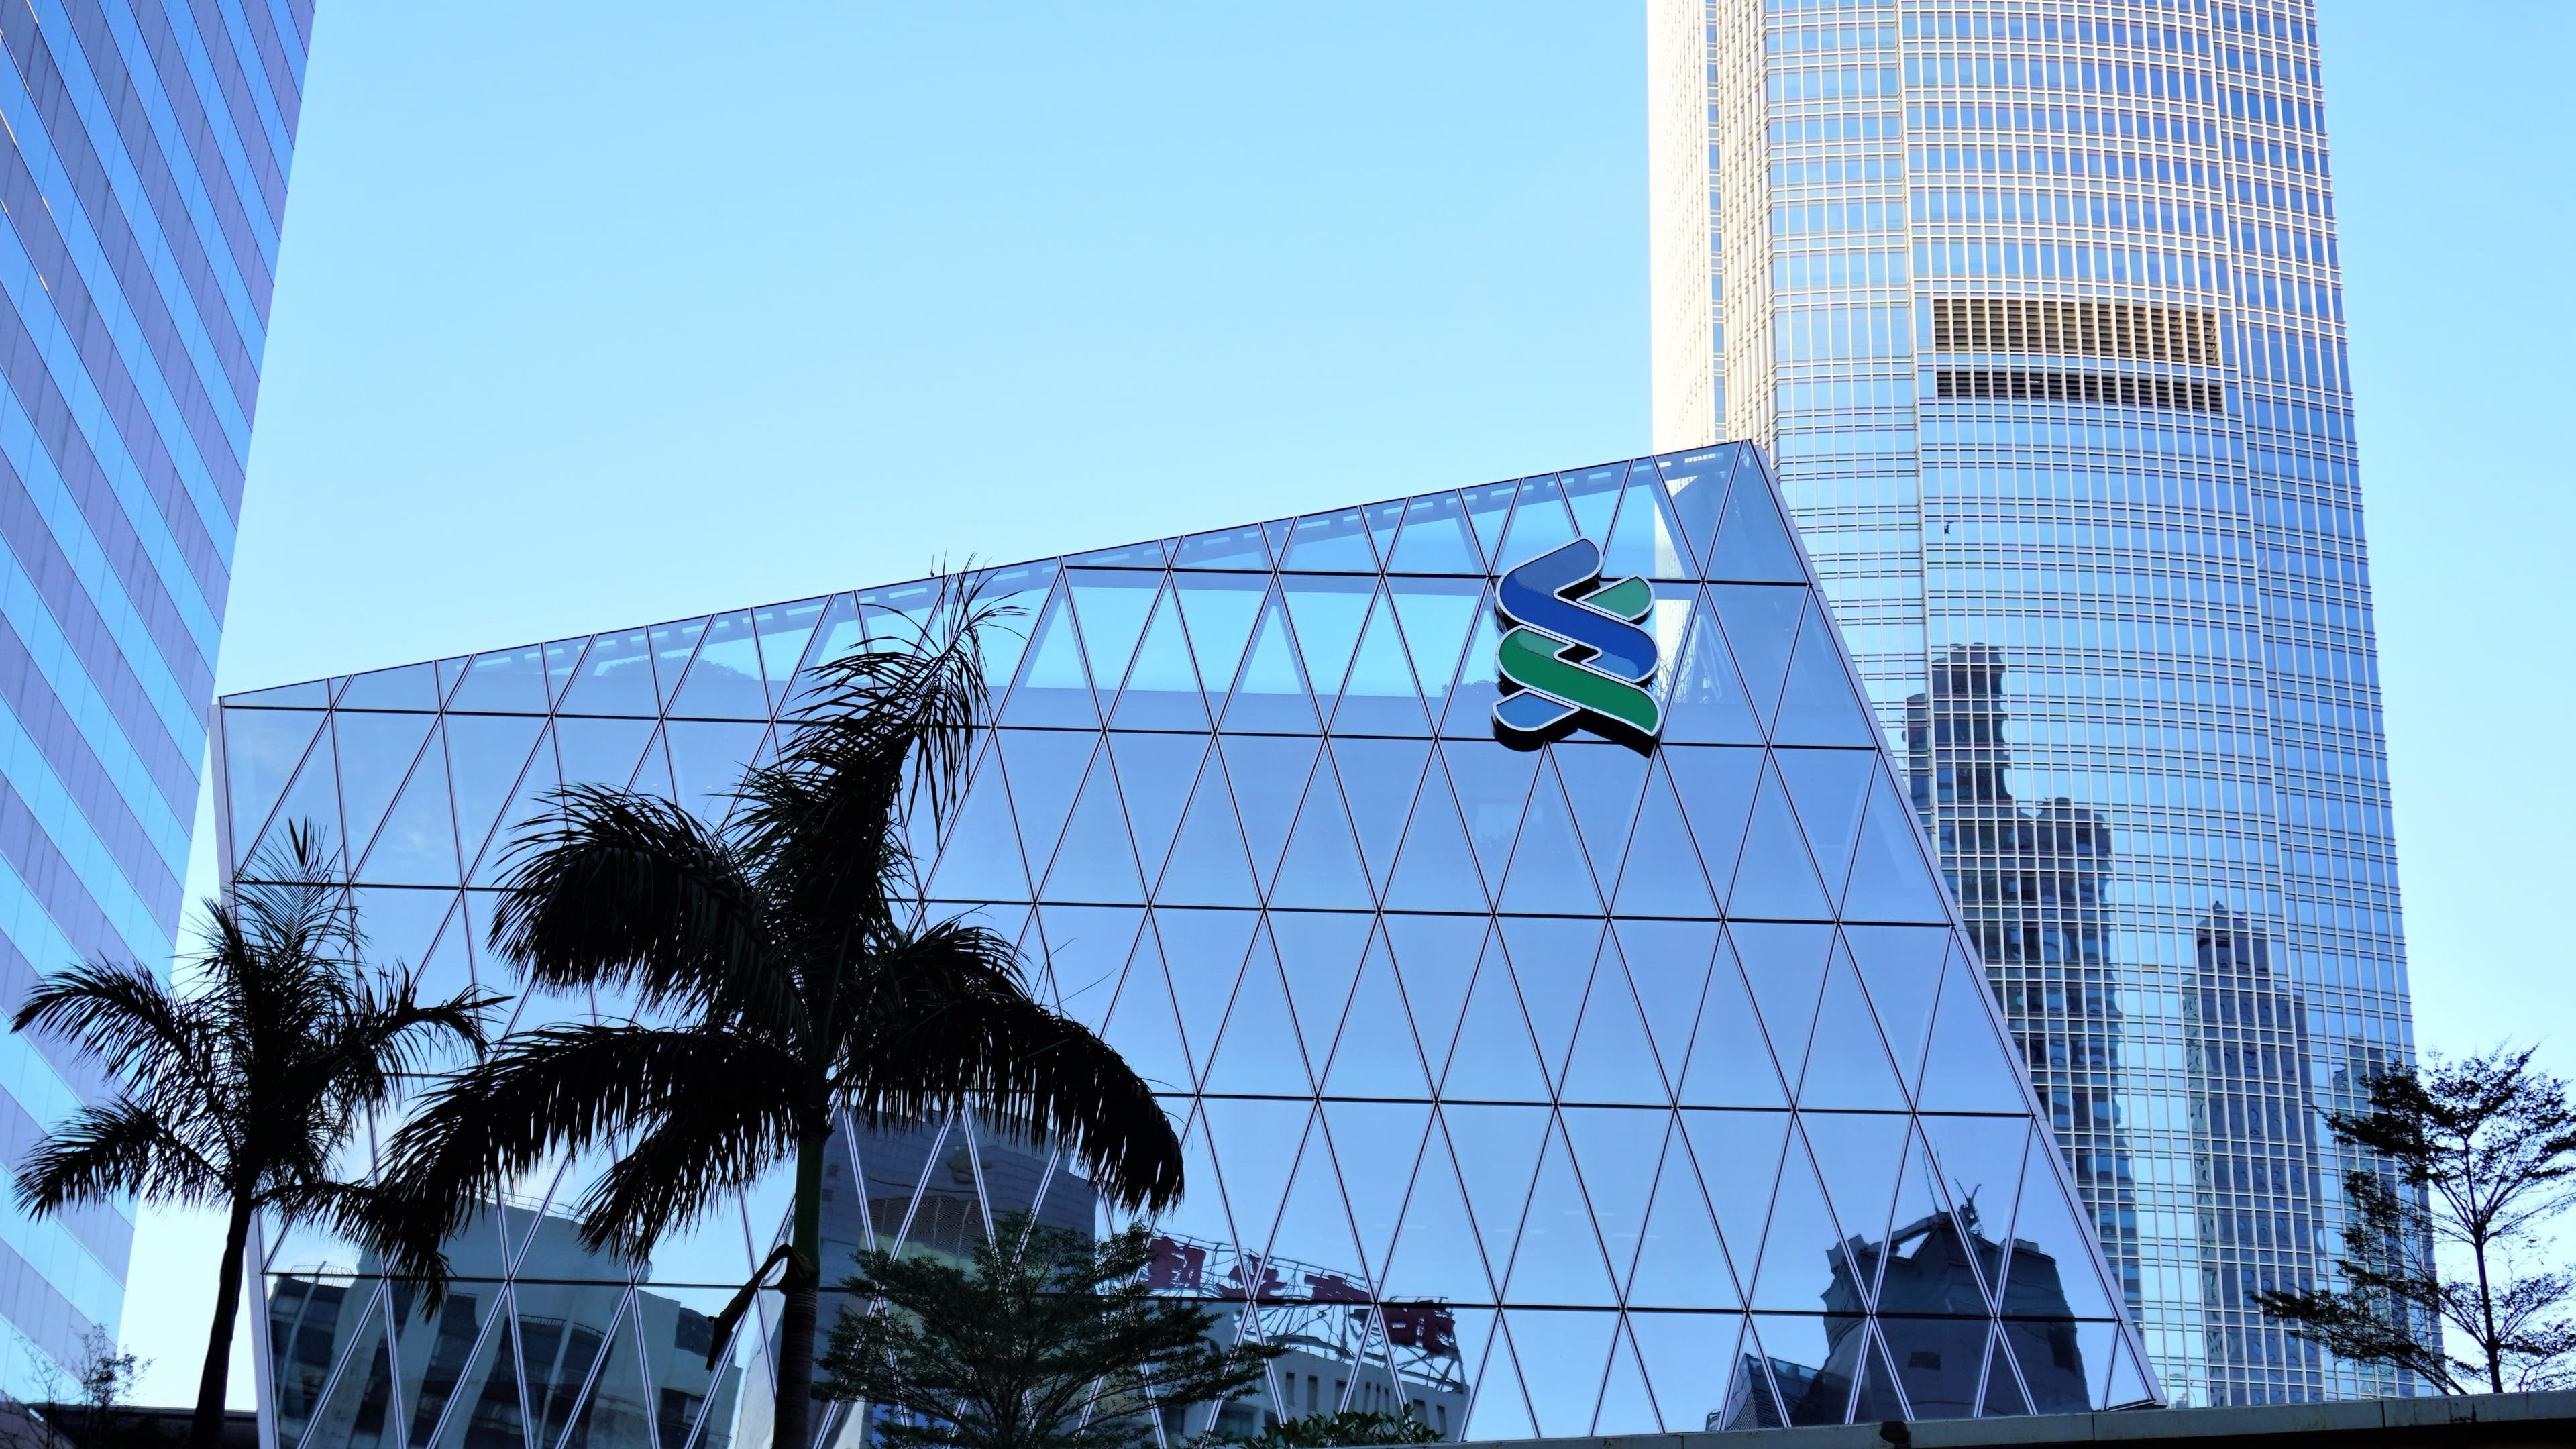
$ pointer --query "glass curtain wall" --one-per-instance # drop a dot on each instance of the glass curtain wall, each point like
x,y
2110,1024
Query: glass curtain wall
x,y
1575,1089
2038,305
144,183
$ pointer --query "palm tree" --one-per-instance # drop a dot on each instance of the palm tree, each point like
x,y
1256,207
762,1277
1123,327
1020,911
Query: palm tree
x,y
240,1089
783,975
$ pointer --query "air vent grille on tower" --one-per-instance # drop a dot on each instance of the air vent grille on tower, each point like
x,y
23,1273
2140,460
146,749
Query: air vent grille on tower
x,y
2080,387
2137,331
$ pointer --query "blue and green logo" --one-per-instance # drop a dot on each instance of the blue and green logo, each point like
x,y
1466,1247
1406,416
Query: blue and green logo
x,y
1572,655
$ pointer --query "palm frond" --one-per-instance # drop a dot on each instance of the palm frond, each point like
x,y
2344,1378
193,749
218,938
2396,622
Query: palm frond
x,y
953,1025
923,695
389,1033
623,889
274,975
113,1149
561,1089
698,1146
379,1220
879,733
139,1029
288,909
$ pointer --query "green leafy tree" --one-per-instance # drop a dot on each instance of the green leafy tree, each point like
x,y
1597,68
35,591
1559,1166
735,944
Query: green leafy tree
x,y
1349,1427
2477,1155
785,977
238,1089
1050,1341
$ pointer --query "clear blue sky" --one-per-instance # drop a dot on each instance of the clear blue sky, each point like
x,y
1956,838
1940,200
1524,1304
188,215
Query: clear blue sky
x,y
601,313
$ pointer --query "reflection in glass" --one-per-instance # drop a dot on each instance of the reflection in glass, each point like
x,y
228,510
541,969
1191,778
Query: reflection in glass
x,y
537,1335
2257,1183
2033,883
1934,1324
1346,1349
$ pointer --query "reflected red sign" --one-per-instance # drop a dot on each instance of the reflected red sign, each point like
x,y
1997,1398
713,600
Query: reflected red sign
x,y
1175,1265
1253,1279
1334,1288
1425,1327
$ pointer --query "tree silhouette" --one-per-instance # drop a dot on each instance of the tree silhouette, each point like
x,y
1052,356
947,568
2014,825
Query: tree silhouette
x,y
788,978
2478,1153
239,1089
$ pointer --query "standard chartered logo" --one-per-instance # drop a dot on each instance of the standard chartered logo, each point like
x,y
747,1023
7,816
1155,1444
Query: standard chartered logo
x,y
1572,655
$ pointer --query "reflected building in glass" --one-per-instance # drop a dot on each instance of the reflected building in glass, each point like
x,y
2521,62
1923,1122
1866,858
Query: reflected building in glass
x,y
1573,1088
2260,1177
144,183
2038,309
2031,887
546,1377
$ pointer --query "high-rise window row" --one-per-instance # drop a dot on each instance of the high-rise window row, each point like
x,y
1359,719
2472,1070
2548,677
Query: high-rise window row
x,y
144,184
2038,305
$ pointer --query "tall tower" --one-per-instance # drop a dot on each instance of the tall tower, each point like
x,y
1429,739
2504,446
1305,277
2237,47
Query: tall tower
x,y
2037,306
144,185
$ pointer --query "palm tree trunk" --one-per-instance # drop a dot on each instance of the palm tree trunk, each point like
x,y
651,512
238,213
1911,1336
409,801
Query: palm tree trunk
x,y
799,1287
206,1429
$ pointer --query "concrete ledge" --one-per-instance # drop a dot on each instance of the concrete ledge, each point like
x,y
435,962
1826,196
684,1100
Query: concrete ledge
x,y
2454,1422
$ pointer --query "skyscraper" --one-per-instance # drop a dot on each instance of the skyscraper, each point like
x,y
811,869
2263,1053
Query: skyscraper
x,y
144,186
2037,305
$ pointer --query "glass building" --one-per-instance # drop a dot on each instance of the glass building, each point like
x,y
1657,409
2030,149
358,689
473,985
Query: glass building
x,y
148,146
2037,305
1588,1086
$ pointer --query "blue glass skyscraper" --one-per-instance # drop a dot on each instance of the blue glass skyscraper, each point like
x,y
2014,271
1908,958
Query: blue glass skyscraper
x,y
144,185
2038,306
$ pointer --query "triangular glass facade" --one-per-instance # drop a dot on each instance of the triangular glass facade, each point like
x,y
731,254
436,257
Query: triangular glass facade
x,y
1584,1088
